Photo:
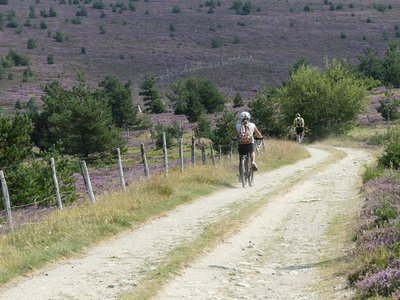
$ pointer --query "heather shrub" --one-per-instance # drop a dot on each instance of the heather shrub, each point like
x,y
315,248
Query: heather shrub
x,y
378,239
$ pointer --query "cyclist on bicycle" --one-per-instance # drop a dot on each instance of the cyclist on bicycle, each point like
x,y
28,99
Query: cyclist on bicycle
x,y
298,124
244,133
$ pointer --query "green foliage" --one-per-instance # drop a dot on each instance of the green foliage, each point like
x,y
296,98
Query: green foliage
x,y
193,95
267,114
15,143
202,128
391,154
3,2
386,69
372,172
391,65
171,132
119,99
222,134
102,29
59,38
242,8
16,58
238,100
50,59
380,7
389,108
176,9
43,25
75,121
31,44
151,95
98,4
329,100
216,43
52,12
31,182
370,64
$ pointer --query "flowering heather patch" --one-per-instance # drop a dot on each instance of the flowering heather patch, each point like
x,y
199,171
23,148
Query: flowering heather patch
x,y
378,239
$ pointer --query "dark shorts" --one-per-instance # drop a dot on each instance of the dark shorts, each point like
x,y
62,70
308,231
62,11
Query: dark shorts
x,y
244,149
299,130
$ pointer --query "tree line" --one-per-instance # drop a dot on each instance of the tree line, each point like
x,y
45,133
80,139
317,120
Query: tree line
x,y
79,121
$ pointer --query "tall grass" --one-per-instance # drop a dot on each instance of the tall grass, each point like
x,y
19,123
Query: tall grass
x,y
64,233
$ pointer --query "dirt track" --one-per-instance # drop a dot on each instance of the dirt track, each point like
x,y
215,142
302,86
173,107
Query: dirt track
x,y
273,256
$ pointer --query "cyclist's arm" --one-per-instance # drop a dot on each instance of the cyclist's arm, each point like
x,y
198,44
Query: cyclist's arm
x,y
257,133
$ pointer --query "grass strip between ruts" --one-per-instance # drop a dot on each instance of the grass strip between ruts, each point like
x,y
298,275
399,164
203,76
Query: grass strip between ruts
x,y
176,260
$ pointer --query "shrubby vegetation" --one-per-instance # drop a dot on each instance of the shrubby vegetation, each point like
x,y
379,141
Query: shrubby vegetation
x,y
27,179
329,100
386,69
151,95
193,96
75,121
222,134
118,97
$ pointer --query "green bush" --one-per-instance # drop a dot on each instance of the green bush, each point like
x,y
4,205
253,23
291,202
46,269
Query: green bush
x,y
329,100
372,172
391,154
31,44
176,9
389,108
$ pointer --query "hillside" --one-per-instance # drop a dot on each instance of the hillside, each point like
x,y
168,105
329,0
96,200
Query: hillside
x,y
175,38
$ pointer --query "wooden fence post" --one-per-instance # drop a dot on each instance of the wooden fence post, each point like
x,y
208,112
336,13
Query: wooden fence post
x,y
164,138
203,153
6,199
193,151
88,184
212,153
181,154
55,181
220,153
120,170
144,160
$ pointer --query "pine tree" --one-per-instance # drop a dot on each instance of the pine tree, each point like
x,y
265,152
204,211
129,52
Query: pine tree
x,y
76,121
119,98
151,96
238,100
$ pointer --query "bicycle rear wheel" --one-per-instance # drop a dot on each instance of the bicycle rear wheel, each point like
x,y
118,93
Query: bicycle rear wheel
x,y
250,171
243,172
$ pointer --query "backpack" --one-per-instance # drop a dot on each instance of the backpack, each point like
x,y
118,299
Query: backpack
x,y
299,122
245,135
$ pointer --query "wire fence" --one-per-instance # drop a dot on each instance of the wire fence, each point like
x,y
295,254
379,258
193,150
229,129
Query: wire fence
x,y
95,179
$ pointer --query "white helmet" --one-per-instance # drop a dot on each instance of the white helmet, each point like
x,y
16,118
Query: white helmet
x,y
244,116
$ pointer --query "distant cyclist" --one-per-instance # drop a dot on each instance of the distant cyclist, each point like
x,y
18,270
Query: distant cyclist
x,y
244,133
298,124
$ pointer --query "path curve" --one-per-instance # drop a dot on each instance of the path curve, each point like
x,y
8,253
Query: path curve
x,y
120,263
